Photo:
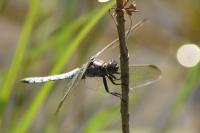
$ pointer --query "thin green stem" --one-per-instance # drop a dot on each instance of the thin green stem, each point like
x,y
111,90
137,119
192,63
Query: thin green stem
x,y
18,56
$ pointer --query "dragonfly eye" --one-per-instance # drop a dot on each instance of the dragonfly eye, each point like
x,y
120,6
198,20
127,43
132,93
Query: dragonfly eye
x,y
112,66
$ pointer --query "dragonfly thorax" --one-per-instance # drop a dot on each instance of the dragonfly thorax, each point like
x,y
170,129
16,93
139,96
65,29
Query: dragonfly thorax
x,y
99,68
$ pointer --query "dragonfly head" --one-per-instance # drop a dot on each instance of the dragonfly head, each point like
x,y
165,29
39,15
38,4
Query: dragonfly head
x,y
112,66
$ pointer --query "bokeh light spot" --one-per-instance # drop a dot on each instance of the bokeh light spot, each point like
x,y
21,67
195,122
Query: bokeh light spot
x,y
188,55
102,1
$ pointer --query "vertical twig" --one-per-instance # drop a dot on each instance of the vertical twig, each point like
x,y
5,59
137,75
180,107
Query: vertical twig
x,y
124,61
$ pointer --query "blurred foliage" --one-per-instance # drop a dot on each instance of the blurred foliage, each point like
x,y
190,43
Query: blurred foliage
x,y
108,116
189,86
17,60
31,112
2,5
58,34
101,120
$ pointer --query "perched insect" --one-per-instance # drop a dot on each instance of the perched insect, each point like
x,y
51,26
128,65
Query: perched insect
x,y
94,67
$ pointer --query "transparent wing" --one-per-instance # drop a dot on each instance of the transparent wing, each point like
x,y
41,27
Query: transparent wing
x,y
75,81
94,84
142,75
115,43
72,84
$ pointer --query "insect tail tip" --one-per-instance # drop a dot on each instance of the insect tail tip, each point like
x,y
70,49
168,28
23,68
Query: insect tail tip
x,y
23,81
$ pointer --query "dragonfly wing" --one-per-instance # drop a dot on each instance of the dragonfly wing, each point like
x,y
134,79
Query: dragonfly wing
x,y
115,43
142,75
75,81
68,75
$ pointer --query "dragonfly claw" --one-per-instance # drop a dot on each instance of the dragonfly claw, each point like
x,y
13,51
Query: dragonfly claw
x,y
116,94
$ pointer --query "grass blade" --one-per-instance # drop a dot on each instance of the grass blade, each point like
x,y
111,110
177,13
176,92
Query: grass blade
x,y
189,85
32,110
17,59
59,38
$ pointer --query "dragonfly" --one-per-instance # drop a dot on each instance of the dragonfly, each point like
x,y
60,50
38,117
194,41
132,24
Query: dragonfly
x,y
142,74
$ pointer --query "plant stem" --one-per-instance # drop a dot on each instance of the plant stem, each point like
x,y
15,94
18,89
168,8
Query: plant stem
x,y
124,66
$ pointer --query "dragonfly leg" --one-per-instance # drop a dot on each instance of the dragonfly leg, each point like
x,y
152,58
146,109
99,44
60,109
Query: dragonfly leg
x,y
112,80
114,77
107,90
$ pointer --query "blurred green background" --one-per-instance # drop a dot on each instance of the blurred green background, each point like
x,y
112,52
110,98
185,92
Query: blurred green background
x,y
49,37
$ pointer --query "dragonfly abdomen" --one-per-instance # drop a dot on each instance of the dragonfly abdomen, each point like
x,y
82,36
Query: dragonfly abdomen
x,y
68,75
